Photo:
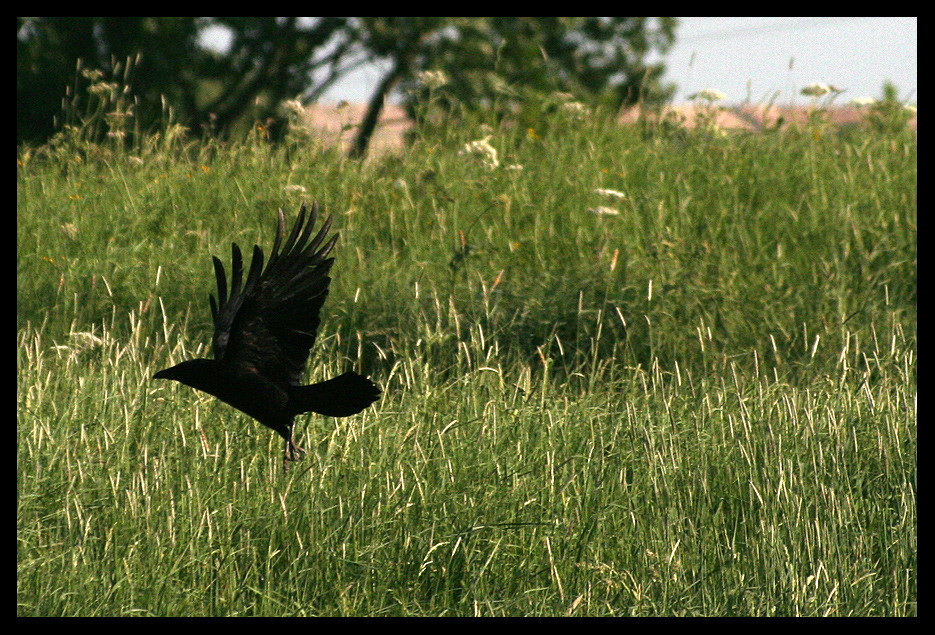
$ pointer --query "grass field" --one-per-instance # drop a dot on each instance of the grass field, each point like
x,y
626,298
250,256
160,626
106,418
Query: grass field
x,y
697,396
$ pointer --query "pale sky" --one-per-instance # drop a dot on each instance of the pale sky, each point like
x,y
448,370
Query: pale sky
x,y
748,59
858,54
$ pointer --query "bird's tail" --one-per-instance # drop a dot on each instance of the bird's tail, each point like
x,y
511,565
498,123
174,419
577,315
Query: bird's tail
x,y
343,396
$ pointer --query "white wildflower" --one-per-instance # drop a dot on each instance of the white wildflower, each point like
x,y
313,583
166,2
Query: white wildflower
x,y
816,90
709,95
482,148
107,89
498,85
433,79
562,96
576,108
610,193
92,74
514,167
604,211
293,107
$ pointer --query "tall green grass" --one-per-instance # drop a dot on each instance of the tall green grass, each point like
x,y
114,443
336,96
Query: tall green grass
x,y
702,405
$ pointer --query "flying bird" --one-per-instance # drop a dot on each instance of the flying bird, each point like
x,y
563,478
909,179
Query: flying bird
x,y
264,329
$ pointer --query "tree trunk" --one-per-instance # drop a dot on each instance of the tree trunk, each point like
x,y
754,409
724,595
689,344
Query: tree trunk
x,y
374,108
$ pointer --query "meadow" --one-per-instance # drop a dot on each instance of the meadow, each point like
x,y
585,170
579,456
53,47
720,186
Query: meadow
x,y
627,370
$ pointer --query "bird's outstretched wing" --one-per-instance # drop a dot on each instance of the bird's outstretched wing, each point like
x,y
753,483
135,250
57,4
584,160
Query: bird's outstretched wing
x,y
267,324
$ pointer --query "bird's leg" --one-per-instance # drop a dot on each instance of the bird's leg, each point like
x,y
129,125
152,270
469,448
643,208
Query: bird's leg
x,y
292,452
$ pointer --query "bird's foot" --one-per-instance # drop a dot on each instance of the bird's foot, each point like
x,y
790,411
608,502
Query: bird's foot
x,y
292,453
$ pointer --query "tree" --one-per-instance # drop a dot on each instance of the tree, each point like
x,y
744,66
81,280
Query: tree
x,y
48,51
269,60
594,58
406,42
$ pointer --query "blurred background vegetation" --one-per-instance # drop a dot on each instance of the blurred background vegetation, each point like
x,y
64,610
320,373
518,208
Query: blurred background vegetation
x,y
271,60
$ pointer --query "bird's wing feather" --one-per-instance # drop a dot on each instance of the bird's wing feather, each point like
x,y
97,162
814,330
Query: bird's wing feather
x,y
267,324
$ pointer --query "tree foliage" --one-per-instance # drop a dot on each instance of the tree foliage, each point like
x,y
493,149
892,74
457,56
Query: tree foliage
x,y
269,60
600,58
488,61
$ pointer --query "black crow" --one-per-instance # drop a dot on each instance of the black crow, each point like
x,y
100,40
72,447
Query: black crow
x,y
263,331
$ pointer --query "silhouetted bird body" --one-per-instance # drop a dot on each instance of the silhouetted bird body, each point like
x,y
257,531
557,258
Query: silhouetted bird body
x,y
263,332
